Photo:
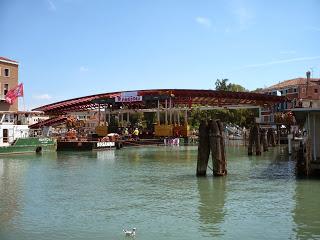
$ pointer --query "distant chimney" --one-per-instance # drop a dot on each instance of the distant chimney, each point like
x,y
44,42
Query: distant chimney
x,y
308,75
308,82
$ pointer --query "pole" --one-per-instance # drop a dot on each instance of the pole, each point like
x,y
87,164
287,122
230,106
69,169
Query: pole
x,y
128,117
186,117
260,120
170,112
24,104
158,113
166,112
99,115
314,138
105,115
289,143
121,118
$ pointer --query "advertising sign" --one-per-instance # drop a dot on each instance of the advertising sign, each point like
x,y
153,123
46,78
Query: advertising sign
x,y
128,97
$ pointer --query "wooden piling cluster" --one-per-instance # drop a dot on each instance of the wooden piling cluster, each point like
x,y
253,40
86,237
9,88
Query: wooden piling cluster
x,y
303,155
254,139
261,139
211,140
271,136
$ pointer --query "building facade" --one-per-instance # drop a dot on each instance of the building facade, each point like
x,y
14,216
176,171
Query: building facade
x,y
300,92
8,80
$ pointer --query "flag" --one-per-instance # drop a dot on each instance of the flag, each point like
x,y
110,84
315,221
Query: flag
x,y
14,93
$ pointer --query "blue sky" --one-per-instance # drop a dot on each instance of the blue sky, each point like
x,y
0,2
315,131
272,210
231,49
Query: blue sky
x,y
73,48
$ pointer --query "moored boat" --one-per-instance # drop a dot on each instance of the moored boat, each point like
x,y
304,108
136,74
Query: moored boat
x,y
15,135
74,145
29,145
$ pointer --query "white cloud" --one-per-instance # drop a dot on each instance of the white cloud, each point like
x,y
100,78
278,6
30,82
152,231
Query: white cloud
x,y
42,96
83,69
52,6
204,21
282,61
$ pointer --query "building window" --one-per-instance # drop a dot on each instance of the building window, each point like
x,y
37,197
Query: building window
x,y
294,90
7,72
303,90
5,89
316,90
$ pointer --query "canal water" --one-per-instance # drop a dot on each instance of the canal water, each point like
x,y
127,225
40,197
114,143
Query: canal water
x,y
94,195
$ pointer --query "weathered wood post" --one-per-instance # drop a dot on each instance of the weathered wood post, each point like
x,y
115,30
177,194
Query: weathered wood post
x,y
257,140
251,140
263,139
278,133
304,157
203,149
271,137
223,150
216,149
254,139
211,139
214,143
245,138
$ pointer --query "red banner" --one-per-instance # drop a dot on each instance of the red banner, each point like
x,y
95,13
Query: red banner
x,y
14,93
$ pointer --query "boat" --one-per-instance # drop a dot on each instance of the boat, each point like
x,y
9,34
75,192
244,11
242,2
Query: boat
x,y
73,143
16,137
76,145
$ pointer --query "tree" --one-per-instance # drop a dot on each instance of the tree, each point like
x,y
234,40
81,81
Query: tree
x,y
222,85
258,90
241,117
236,88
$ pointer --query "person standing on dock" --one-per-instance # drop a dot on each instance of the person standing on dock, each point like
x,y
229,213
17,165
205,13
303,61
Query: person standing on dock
x,y
136,134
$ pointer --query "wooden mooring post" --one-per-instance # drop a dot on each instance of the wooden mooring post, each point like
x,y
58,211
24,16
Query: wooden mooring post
x,y
271,136
203,149
254,139
211,139
263,139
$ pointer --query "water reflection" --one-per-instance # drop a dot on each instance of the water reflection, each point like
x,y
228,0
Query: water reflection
x,y
307,209
11,173
279,166
108,155
212,196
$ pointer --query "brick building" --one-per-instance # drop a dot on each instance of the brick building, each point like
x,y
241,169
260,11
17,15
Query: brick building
x,y
8,80
301,92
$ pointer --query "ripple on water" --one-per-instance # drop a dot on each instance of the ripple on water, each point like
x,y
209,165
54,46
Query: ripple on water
x,y
94,195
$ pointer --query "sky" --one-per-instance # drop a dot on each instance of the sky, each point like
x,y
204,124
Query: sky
x,y
74,48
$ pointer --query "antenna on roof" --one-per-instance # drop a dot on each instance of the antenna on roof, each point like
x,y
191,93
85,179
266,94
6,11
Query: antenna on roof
x,y
311,72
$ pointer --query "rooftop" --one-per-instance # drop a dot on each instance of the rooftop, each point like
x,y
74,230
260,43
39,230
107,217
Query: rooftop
x,y
293,83
7,60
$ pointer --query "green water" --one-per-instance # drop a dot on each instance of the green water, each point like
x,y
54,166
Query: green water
x,y
94,195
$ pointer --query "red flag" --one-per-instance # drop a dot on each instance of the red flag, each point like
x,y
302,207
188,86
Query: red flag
x,y
14,93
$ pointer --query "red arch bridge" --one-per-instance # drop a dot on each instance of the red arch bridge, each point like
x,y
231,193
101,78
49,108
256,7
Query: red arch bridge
x,y
157,100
